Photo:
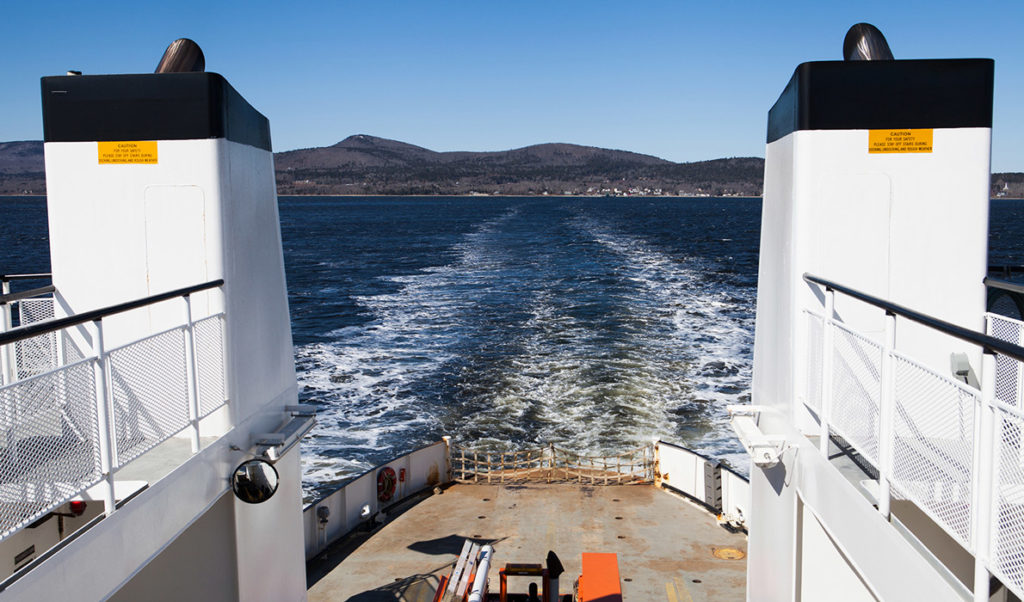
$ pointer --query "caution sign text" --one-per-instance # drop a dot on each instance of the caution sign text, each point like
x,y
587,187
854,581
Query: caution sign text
x,y
141,151
900,141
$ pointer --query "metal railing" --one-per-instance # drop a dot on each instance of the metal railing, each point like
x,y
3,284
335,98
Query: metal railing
x,y
951,449
5,279
70,428
23,307
1005,298
1009,372
35,355
1006,271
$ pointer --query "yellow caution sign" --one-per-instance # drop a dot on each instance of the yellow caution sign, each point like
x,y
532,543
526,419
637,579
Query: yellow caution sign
x,y
140,151
900,141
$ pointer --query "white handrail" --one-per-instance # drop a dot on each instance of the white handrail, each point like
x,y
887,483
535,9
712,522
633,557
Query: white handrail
x,y
983,527
104,401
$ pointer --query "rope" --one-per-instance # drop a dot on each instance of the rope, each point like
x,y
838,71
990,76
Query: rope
x,y
552,463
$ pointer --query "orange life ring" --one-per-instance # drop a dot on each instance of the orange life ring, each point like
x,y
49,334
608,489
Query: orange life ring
x,y
386,481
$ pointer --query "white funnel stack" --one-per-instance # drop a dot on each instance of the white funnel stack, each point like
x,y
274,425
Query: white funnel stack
x,y
876,178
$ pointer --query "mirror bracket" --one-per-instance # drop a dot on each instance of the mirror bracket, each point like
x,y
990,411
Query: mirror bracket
x,y
272,446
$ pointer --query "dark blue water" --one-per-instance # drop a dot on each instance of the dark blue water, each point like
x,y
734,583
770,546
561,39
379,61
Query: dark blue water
x,y
593,323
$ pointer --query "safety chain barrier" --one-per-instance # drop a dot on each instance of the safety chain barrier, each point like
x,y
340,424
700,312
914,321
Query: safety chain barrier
x,y
551,464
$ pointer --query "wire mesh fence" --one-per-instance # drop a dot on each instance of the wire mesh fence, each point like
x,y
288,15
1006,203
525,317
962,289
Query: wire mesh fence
x,y
1008,514
1009,372
48,444
552,464
38,354
934,449
50,434
933,446
209,344
856,391
149,392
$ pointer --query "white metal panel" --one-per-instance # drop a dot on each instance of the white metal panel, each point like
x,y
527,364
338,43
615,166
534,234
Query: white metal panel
x,y
424,468
361,492
890,566
207,554
261,362
682,470
936,223
851,243
770,567
103,558
176,254
736,497
774,373
825,574
770,544
268,539
428,467
98,225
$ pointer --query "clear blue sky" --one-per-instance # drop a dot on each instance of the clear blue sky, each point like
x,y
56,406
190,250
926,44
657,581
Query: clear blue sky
x,y
681,80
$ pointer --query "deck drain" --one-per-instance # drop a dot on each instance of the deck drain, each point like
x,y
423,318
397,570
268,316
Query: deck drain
x,y
477,536
618,518
696,580
481,517
622,537
627,579
487,499
615,499
728,553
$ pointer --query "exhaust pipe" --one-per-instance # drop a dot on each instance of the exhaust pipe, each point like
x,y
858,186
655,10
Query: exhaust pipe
x,y
182,56
865,43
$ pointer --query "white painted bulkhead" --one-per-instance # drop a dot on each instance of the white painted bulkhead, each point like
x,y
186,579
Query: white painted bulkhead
x,y
124,232
206,210
884,224
910,228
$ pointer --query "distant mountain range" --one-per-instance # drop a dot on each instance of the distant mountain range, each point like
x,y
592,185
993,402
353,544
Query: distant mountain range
x,y
363,164
22,170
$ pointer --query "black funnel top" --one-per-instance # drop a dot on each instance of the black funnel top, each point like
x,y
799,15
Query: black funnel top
x,y
865,95
152,106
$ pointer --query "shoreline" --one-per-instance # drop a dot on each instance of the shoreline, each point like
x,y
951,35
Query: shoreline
x,y
521,196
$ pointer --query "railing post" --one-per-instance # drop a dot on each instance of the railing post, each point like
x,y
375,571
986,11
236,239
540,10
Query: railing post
x,y
449,471
1019,400
5,324
886,415
191,375
827,359
982,498
103,420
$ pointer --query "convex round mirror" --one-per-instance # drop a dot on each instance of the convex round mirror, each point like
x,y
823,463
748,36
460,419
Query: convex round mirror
x,y
254,481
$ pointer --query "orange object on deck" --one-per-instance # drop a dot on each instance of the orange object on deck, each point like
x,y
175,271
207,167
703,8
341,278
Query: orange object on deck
x,y
600,578
442,584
